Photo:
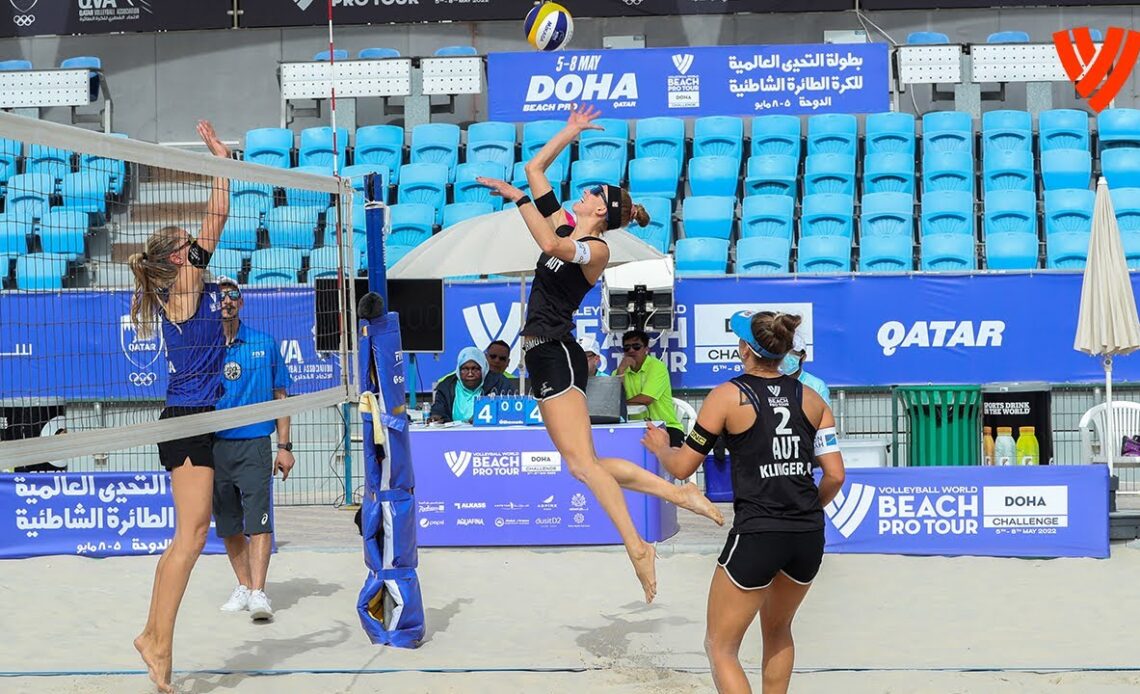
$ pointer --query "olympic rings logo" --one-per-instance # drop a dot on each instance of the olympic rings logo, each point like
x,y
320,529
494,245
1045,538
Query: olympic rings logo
x,y
143,378
24,20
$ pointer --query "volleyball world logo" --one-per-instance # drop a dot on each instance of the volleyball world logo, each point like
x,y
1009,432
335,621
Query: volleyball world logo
x,y
848,511
1098,73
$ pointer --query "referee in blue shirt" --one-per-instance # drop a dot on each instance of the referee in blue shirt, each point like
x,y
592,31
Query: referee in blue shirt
x,y
254,371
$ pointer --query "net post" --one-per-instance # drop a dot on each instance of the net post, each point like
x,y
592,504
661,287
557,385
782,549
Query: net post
x,y
374,222
346,413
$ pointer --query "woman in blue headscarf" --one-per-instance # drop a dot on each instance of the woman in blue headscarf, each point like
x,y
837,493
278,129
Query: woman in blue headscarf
x,y
455,393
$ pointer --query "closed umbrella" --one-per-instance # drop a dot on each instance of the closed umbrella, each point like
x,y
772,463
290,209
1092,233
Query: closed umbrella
x,y
499,244
1107,324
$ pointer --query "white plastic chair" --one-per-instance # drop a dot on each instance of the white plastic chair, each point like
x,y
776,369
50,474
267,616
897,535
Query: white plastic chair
x,y
686,414
1125,421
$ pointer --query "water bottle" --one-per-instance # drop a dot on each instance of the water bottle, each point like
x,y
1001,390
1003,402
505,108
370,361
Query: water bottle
x,y
1005,449
1028,448
988,446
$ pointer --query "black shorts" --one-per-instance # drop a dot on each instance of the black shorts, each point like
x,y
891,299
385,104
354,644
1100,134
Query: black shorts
x,y
243,481
199,449
752,560
554,368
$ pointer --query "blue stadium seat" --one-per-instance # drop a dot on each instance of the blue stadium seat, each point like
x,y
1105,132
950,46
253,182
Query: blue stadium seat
x,y
824,254
29,194
40,271
15,65
555,175
887,214
426,183
767,215
719,136
451,51
1067,250
467,189
947,212
1121,166
1131,244
701,256
827,214
1126,205
886,253
394,253
240,233
338,54
949,253
409,224
227,262
612,142
891,132
275,266
307,197
491,141
292,226
947,131
714,175
1063,128
948,171
1008,170
772,174
14,231
114,169
1118,127
1011,230
889,172
763,255
829,173
918,38
10,152
1007,130
357,174
86,191
457,212
708,216
64,232
269,147
323,262
832,133
777,135
358,224
52,161
1069,210
377,53
381,145
317,147
436,143
538,133
660,137
587,173
360,252
1008,37
654,176
659,232
1066,168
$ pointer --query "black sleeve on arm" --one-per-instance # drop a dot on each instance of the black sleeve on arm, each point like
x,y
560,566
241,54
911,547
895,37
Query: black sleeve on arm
x,y
547,204
700,439
199,257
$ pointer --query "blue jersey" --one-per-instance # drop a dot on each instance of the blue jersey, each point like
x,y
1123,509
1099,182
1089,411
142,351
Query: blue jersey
x,y
253,369
816,384
194,351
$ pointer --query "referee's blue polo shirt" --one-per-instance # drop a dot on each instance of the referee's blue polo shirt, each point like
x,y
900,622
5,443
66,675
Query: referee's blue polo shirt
x,y
253,369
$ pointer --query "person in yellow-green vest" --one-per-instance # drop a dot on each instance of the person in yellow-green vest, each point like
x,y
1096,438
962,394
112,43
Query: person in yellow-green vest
x,y
646,381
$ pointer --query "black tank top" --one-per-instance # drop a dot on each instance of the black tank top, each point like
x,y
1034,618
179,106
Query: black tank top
x,y
558,289
773,461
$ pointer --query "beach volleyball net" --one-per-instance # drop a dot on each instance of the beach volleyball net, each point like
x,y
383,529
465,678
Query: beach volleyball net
x,y
82,383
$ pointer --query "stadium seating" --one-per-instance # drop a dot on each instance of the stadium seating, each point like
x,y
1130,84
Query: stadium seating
x,y
1118,127
890,133
227,262
15,65
829,173
832,133
436,143
85,61
824,254
275,266
357,174
767,215
305,197
317,147
719,136
269,147
1067,250
887,214
48,160
1008,37
1008,170
611,142
654,176
323,262
772,174
410,223
338,54
926,37
889,172
29,194
86,191
947,212
708,216
702,256
1066,168
292,226
467,189
1069,210
64,232
424,183
948,253
14,232
377,53
381,145
827,214
777,135
457,212
10,152
554,175
659,232
1121,166
587,173
491,141
1063,129
948,171
1007,130
660,137
1126,205
394,253
240,233
947,131
714,175
763,255
40,271
1010,225
456,51
114,169
886,253
538,133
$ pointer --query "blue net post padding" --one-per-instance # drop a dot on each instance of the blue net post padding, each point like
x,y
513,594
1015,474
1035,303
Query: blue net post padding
x,y
390,605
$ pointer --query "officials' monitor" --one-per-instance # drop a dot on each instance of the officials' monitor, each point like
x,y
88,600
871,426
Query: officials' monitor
x,y
419,304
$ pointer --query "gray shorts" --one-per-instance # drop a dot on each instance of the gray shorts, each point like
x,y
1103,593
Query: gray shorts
x,y
243,481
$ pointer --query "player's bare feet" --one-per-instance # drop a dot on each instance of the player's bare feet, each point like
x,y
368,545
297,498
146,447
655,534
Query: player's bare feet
x,y
157,665
644,564
693,500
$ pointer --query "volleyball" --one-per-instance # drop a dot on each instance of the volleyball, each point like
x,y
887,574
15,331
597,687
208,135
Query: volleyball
x,y
548,26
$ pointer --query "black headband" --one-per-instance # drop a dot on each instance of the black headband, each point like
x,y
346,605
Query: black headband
x,y
613,209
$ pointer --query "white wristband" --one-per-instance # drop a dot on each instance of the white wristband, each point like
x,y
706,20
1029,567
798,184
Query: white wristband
x,y
581,253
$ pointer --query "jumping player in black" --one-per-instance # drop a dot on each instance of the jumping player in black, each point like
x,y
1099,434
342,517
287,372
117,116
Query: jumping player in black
x,y
777,432
573,258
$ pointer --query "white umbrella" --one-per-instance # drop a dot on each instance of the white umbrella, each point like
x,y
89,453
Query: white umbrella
x,y
499,244
1108,324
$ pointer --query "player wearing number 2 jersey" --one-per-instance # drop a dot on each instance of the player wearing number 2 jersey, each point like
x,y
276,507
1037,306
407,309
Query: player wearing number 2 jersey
x,y
777,433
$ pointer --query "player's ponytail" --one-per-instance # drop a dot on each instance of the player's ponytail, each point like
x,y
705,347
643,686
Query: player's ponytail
x,y
153,273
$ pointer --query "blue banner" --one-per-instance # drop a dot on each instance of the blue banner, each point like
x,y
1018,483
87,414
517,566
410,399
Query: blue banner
x,y
1032,511
861,330
495,486
691,81
82,346
103,514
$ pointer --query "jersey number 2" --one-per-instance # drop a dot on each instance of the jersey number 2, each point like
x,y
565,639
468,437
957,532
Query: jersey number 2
x,y
785,417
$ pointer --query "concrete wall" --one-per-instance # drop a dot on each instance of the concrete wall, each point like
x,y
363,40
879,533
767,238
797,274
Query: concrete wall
x,y
162,83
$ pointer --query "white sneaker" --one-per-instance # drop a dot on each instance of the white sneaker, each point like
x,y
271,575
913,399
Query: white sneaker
x,y
259,608
239,600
